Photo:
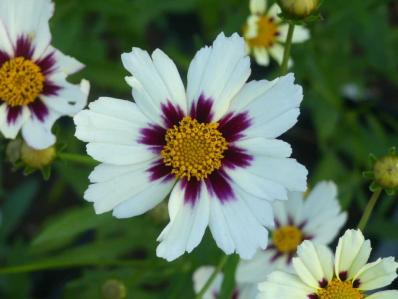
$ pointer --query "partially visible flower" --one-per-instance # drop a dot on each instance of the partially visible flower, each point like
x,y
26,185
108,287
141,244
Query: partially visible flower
x,y
212,147
319,275
299,9
384,172
202,275
34,92
265,33
317,217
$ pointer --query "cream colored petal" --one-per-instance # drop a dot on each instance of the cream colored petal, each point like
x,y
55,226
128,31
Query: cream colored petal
x,y
261,55
301,34
258,6
377,274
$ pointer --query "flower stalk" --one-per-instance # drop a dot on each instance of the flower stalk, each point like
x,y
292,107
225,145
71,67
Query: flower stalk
x,y
288,46
213,276
369,209
77,158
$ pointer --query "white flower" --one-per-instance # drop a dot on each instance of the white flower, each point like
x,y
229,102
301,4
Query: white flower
x,y
319,276
316,217
265,33
213,147
34,92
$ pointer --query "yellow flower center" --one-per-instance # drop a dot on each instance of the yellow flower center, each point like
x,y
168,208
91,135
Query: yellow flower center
x,y
386,171
338,289
194,149
21,81
287,238
267,32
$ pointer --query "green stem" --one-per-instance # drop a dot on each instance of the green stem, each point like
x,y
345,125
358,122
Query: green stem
x,y
286,53
213,276
369,209
77,158
46,265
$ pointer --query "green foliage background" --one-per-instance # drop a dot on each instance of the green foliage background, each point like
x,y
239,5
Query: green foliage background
x,y
52,245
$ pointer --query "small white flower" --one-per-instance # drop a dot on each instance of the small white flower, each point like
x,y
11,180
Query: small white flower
x,y
318,275
265,33
317,217
213,147
34,92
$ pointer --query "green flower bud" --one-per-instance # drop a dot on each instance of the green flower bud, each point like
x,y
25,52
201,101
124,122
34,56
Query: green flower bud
x,y
37,159
113,289
385,171
299,9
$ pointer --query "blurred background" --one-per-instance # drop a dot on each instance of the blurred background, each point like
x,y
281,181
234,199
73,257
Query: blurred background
x,y
52,245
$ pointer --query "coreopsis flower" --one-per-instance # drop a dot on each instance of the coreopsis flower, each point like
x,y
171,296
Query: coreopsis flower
x,y
213,147
34,92
319,275
265,33
317,217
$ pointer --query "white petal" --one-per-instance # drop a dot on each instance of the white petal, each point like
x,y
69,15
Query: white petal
x,y
186,229
261,55
235,228
123,185
314,263
272,106
10,130
290,210
201,276
258,6
219,72
322,213
38,133
267,147
64,63
284,171
247,291
70,99
155,82
30,18
301,34
256,269
274,11
257,185
145,200
352,253
110,121
393,294
378,274
119,154
284,285
5,43
251,29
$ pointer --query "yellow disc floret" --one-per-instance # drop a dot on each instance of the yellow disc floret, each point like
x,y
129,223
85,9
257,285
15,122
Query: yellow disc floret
x,y
21,81
194,149
338,289
267,32
287,238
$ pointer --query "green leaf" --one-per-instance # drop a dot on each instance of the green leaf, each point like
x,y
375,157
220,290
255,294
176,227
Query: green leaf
x,y
228,286
16,205
64,228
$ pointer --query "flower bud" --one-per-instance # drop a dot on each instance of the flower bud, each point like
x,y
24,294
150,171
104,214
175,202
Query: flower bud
x,y
386,171
37,159
113,289
299,9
